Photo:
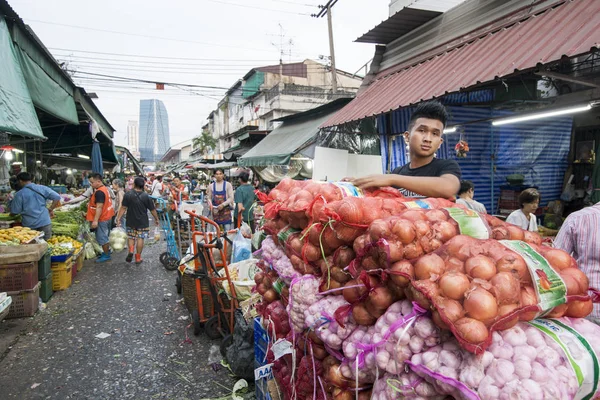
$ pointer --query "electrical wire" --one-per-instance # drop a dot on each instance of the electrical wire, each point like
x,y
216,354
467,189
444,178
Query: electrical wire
x,y
256,7
144,36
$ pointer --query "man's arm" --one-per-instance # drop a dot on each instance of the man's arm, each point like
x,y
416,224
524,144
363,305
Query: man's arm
x,y
155,215
120,214
229,189
16,206
565,238
445,186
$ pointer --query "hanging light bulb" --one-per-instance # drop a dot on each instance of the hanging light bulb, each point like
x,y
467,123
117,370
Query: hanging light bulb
x,y
69,172
8,155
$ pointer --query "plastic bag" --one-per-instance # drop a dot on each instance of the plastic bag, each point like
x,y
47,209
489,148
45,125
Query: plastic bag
x,y
157,234
117,239
90,253
242,248
240,354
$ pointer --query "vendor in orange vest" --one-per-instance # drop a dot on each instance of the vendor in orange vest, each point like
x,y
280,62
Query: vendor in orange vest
x,y
99,214
177,189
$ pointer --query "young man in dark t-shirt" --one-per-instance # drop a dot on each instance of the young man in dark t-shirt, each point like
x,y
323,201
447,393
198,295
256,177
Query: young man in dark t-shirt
x,y
425,175
137,203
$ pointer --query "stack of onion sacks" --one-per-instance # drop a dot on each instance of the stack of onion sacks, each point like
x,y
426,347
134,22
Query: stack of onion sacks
x,y
475,287
264,285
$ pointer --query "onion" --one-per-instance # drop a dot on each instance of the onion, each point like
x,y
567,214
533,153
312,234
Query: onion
x,y
532,237
513,262
296,244
369,263
360,243
380,298
412,251
435,317
396,251
580,309
558,259
270,296
413,215
454,264
352,294
500,233
258,277
515,232
455,245
557,311
451,309
349,211
453,285
340,275
430,266
407,270
415,295
422,228
480,304
379,229
506,288
444,231
577,282
436,215
528,298
481,267
362,316
343,256
311,253
261,289
404,230
505,310
471,330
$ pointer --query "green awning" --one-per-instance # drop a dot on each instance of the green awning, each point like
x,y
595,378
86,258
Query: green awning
x,y
279,145
50,90
17,114
92,111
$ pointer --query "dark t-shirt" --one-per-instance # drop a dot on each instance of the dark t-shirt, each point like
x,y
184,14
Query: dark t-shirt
x,y
245,195
435,168
138,204
100,197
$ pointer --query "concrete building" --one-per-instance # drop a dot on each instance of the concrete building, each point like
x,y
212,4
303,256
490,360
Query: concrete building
x,y
267,93
177,154
154,138
133,138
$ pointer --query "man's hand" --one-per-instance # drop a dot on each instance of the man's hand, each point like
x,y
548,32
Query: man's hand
x,y
156,222
118,224
371,181
94,224
220,207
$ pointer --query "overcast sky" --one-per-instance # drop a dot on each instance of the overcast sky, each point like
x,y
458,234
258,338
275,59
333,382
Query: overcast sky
x,y
198,42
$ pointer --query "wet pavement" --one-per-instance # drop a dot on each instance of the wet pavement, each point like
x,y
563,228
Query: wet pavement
x,y
60,354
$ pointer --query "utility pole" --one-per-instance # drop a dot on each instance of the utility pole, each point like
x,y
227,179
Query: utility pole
x,y
326,9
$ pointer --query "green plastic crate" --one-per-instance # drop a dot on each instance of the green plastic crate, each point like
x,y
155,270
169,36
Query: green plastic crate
x,y
46,290
44,266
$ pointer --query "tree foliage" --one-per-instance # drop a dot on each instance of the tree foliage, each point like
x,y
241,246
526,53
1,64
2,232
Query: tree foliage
x,y
204,142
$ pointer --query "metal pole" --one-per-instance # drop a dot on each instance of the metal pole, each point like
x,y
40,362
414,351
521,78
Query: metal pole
x,y
331,51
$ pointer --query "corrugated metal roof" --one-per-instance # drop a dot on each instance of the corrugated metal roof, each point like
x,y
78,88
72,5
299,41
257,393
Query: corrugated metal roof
x,y
397,25
566,30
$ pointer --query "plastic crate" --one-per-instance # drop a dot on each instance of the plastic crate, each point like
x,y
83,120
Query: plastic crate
x,y
61,258
80,258
73,269
46,290
63,264
44,266
62,277
17,277
24,303
509,195
509,204
261,344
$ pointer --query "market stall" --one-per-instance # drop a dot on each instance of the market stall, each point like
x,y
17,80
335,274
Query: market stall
x,y
371,295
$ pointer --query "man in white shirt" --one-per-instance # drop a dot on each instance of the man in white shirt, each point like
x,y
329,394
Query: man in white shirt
x,y
157,187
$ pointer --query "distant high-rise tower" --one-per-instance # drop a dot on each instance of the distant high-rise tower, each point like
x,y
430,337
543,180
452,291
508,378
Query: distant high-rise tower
x,y
154,140
133,136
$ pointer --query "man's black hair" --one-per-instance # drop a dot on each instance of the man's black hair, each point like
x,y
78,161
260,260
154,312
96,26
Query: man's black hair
x,y
24,177
431,110
159,178
139,182
465,186
96,176
244,177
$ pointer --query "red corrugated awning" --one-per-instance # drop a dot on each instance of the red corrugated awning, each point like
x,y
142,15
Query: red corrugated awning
x,y
569,29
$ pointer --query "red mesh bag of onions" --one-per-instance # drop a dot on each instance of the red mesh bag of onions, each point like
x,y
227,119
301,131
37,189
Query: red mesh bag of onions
x,y
543,359
415,232
475,287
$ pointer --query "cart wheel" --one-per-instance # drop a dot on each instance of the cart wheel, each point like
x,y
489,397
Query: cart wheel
x,y
196,322
163,257
211,327
171,263
178,283
225,343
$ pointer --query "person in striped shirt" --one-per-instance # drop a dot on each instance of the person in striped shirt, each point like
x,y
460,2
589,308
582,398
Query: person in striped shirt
x,y
580,237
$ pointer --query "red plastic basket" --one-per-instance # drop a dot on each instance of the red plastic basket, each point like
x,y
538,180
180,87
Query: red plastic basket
x,y
17,277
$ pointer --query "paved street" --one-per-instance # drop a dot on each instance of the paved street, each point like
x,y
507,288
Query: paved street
x,y
146,356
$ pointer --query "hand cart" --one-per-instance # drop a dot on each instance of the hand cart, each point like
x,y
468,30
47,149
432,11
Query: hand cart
x,y
214,310
170,258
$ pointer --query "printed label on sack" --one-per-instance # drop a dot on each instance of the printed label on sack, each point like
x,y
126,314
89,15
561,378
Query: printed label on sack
x,y
285,233
469,223
278,286
264,372
421,204
579,353
349,190
281,348
550,288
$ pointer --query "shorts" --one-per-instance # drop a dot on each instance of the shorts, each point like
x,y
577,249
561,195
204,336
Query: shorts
x,y
142,233
47,231
102,232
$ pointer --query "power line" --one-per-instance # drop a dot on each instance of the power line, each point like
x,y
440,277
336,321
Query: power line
x,y
145,80
143,36
161,57
152,62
